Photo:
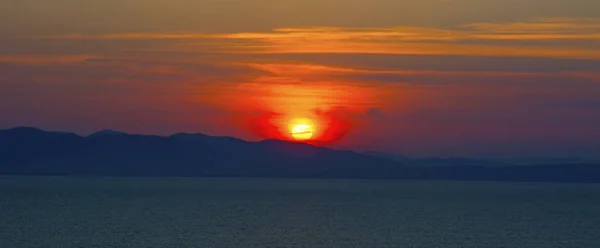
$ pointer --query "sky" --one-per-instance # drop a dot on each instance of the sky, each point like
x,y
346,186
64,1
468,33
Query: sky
x,y
477,78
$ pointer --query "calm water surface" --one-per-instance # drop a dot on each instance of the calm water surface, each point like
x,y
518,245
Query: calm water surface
x,y
66,212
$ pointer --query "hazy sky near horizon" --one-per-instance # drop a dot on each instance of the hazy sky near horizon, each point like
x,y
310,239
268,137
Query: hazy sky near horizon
x,y
486,78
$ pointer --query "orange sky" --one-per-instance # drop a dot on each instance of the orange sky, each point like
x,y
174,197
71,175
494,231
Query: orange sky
x,y
420,81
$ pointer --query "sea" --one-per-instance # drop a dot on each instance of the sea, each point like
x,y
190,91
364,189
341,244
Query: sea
x,y
82,212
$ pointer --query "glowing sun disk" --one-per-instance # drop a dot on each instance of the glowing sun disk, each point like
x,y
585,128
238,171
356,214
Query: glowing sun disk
x,y
302,132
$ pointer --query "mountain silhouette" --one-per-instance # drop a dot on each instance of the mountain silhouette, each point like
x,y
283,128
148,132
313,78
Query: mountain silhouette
x,y
106,132
438,162
31,151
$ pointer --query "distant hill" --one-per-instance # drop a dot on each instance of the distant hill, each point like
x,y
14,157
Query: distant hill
x,y
30,151
105,133
392,156
548,161
438,162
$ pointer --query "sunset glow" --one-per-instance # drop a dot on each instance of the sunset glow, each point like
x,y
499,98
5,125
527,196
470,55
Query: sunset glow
x,y
400,76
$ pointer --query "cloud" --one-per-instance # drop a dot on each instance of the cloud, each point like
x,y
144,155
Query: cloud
x,y
545,28
470,39
315,69
295,73
589,26
130,36
45,59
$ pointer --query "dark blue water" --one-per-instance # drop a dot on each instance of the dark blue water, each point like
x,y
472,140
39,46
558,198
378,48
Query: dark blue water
x,y
67,212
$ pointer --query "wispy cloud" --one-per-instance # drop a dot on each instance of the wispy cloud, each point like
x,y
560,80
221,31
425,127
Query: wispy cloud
x,y
290,69
542,26
471,39
48,59
547,28
297,74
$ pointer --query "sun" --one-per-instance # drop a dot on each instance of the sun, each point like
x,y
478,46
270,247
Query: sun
x,y
302,132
